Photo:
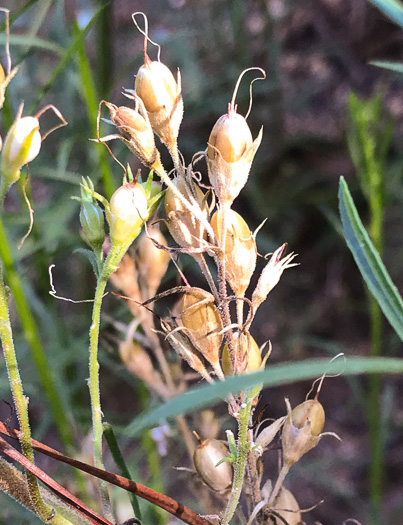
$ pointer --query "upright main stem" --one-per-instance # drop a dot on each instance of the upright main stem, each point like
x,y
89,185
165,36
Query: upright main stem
x,y
111,262
243,448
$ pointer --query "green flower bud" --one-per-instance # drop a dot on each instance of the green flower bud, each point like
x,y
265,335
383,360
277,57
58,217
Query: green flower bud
x,y
128,209
92,222
22,145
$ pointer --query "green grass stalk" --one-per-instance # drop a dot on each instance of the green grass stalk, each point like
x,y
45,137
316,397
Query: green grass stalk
x,y
91,101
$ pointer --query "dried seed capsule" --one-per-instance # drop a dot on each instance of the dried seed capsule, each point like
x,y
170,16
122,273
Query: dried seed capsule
x,y
286,506
271,274
230,153
302,430
240,249
200,316
247,351
186,230
152,262
205,458
135,130
137,361
128,209
162,98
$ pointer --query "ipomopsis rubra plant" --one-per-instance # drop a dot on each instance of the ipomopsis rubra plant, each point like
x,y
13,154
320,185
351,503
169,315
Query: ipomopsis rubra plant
x,y
203,329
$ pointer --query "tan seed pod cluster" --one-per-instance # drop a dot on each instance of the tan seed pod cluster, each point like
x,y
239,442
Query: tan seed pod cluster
x,y
239,252
205,459
230,154
203,322
162,98
186,230
302,430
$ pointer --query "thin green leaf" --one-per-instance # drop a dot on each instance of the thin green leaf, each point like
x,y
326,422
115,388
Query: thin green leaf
x,y
393,9
31,41
66,57
369,261
273,376
392,66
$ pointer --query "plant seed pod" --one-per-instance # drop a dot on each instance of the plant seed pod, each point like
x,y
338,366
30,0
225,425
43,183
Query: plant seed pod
x,y
240,250
200,316
137,361
186,230
229,155
205,458
152,262
128,209
162,98
135,131
184,347
302,429
286,507
247,352
4,82
209,426
21,145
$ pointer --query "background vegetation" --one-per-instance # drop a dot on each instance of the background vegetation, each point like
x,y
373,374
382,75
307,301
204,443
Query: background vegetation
x,y
316,54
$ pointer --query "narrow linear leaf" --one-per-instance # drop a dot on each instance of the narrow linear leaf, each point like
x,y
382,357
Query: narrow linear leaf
x,y
393,9
369,262
392,66
31,41
274,376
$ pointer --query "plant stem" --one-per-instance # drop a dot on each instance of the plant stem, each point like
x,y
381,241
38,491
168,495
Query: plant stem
x,y
375,427
21,404
113,259
239,467
31,334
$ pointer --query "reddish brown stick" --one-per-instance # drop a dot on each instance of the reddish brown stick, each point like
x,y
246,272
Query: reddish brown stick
x,y
62,493
165,502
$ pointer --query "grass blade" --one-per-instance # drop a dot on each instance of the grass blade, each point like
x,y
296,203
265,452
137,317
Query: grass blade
x,y
369,261
393,9
274,376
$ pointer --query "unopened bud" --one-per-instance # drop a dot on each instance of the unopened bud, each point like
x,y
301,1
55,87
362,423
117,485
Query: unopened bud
x,y
135,130
128,209
205,459
240,249
91,219
200,316
230,153
302,429
247,352
186,230
162,98
22,144
152,262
